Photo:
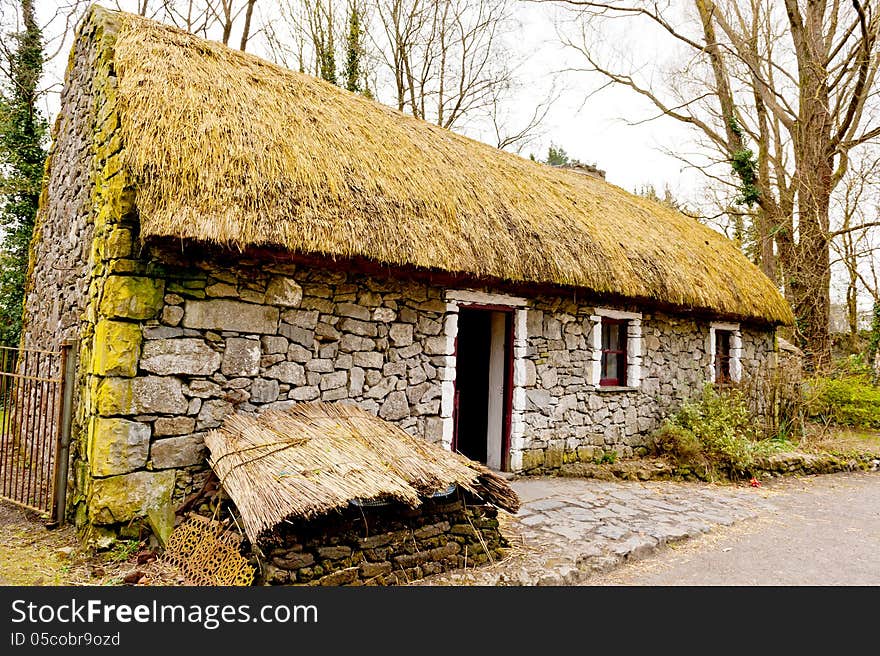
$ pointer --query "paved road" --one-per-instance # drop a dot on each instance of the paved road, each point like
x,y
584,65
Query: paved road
x,y
822,530
819,530
568,530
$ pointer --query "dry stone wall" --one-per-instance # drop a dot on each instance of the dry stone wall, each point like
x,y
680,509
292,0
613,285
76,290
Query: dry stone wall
x,y
58,281
567,419
386,546
182,343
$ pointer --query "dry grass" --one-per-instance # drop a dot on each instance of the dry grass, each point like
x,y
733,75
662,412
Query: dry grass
x,y
841,440
227,148
316,457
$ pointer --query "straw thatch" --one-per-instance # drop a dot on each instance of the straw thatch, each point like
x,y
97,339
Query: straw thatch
x,y
227,148
317,457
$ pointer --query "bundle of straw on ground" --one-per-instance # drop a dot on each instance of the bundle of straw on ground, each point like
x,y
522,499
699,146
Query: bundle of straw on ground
x,y
228,149
317,457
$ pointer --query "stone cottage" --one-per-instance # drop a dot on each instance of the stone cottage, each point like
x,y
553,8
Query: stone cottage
x,y
223,235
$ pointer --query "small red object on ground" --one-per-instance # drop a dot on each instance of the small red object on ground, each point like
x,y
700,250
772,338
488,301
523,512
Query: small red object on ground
x,y
755,482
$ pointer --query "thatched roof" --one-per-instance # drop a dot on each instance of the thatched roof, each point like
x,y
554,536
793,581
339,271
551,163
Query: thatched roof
x,y
317,457
230,149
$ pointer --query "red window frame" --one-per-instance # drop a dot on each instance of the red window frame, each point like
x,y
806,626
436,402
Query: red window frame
x,y
621,325
723,340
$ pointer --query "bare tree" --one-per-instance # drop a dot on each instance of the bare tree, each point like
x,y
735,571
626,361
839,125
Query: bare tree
x,y
445,56
856,203
784,92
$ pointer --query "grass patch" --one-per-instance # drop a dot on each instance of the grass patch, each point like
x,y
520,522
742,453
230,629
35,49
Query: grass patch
x,y
848,400
716,436
840,440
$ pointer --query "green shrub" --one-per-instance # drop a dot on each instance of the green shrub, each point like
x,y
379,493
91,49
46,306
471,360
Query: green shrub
x,y
849,400
715,433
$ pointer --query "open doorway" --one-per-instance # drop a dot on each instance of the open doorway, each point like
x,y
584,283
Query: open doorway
x,y
484,369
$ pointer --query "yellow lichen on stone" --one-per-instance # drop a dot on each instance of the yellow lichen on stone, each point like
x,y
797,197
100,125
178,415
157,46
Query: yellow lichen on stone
x,y
116,348
117,446
132,297
118,244
114,396
126,497
532,460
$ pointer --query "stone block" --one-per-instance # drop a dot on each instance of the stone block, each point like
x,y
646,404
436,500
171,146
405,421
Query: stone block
x,y
180,356
372,570
144,395
162,332
132,297
335,394
118,244
309,393
222,314
326,331
284,292
264,391
384,315
395,407
203,389
352,343
307,319
212,413
298,335
221,289
165,426
339,577
241,357
117,347
172,315
356,377
353,311
117,446
123,498
273,344
438,346
334,380
357,327
434,429
176,452
334,553
287,372
321,365
368,359
298,353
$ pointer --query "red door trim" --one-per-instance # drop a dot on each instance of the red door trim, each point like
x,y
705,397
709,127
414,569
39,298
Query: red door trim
x,y
507,407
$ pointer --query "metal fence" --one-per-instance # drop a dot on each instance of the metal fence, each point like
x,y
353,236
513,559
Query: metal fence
x,y
36,392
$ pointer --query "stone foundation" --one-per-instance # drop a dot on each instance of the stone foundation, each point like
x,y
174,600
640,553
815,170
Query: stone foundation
x,y
383,546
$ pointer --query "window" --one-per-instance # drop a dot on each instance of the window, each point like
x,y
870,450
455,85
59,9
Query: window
x,y
723,339
614,343
725,350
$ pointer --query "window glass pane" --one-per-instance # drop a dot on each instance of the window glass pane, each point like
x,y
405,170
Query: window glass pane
x,y
606,336
621,369
609,366
722,356
613,337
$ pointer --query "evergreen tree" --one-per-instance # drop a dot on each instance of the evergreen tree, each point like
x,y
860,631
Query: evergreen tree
x,y
327,52
22,156
354,51
556,156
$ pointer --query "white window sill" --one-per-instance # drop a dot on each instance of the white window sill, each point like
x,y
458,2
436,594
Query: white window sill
x,y
614,388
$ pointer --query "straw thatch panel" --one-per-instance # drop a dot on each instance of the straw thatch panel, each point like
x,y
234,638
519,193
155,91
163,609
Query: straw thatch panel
x,y
317,457
229,149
